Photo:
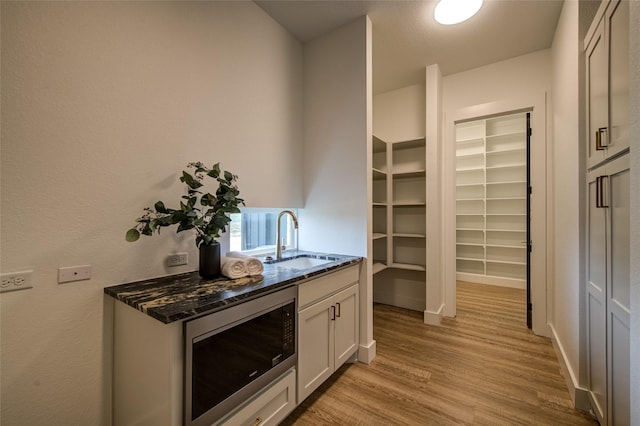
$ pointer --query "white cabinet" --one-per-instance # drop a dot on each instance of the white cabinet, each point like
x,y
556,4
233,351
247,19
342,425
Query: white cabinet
x,y
327,327
608,305
607,234
607,75
491,200
269,407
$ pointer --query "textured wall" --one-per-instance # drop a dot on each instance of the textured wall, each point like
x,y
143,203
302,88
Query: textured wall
x,y
103,103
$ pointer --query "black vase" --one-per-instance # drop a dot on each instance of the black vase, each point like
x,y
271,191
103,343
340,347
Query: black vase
x,y
210,261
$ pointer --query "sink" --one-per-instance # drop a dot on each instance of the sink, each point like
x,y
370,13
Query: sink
x,y
301,262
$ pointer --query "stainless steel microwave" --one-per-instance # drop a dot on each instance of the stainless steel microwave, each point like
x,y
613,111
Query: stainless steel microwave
x,y
232,354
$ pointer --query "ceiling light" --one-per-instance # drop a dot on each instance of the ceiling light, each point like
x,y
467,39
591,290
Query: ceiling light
x,y
449,12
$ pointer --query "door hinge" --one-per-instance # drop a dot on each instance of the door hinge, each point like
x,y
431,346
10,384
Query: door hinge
x,y
530,246
530,131
530,190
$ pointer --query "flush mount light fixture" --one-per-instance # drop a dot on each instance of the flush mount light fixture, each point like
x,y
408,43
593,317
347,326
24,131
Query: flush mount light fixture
x,y
449,12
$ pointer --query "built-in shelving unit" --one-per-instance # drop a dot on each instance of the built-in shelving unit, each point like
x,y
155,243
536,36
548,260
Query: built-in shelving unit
x,y
491,201
399,205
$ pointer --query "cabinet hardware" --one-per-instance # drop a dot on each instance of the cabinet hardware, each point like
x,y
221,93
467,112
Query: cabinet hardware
x,y
333,313
338,309
600,199
601,136
257,422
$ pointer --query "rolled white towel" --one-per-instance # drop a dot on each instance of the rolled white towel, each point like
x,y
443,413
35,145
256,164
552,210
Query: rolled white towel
x,y
232,267
253,265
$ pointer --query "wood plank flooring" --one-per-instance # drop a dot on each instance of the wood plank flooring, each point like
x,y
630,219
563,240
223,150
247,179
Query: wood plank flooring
x,y
483,367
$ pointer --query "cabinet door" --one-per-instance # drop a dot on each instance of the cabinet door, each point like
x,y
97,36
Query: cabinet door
x,y
617,19
596,294
618,300
597,96
346,324
315,346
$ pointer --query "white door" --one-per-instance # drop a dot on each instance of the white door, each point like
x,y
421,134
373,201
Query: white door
x,y
618,299
597,96
596,294
315,346
346,324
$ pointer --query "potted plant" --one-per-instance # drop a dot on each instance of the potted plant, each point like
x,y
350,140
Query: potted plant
x,y
207,214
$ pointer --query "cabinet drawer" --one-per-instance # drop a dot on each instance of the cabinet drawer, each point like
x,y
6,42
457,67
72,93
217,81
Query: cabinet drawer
x,y
270,407
327,285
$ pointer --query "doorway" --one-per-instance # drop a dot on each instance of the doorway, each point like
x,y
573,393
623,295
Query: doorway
x,y
493,201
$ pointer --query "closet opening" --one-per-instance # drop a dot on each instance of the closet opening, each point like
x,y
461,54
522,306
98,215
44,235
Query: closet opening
x,y
493,205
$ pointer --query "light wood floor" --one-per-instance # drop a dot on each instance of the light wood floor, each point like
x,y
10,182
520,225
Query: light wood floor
x,y
483,367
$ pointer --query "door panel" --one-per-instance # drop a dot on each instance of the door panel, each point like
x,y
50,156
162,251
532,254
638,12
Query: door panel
x,y
619,184
346,330
315,347
620,359
618,31
596,299
597,78
618,303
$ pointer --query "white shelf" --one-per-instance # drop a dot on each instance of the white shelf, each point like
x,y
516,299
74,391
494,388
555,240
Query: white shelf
x,y
409,174
379,174
398,240
491,198
379,266
408,266
416,203
401,235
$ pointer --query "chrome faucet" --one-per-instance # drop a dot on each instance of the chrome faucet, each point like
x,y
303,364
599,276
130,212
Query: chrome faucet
x,y
295,225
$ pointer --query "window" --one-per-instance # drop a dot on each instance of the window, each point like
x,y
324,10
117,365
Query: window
x,y
254,230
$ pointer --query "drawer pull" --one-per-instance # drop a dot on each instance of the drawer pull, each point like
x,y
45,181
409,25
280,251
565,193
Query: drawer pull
x,y
601,136
257,422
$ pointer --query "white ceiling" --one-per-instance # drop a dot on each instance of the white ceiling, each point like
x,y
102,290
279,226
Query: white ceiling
x,y
406,38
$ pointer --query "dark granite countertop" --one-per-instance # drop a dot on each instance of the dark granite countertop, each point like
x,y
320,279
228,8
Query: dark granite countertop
x,y
184,296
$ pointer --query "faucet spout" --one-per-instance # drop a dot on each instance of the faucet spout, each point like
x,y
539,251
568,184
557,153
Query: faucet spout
x,y
295,225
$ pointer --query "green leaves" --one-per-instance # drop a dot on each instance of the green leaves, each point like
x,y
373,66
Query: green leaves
x,y
207,222
132,235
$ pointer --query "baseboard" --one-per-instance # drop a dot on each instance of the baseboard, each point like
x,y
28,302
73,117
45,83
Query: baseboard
x,y
579,395
367,353
434,318
491,280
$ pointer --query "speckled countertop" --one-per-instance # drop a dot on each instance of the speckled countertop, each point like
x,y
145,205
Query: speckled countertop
x,y
183,296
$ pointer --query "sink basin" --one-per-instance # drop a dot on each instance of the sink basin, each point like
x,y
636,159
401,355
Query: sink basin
x,y
302,262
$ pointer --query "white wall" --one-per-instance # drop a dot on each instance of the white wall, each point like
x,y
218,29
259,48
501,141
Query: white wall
x,y
336,160
102,105
334,218
568,174
399,115
635,207
510,85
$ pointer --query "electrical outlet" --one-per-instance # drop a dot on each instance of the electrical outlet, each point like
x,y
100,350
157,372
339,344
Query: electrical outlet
x,y
74,273
15,281
177,259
